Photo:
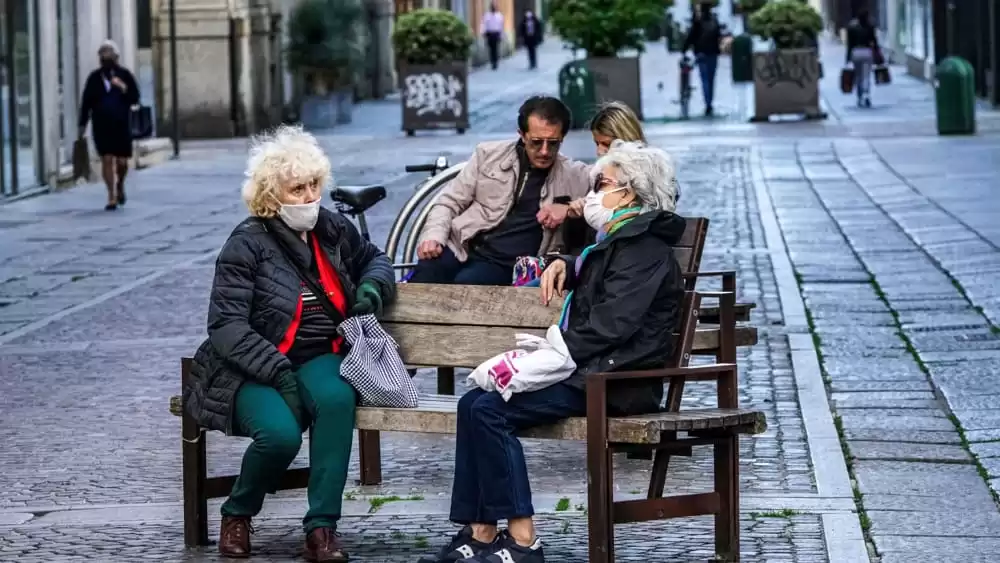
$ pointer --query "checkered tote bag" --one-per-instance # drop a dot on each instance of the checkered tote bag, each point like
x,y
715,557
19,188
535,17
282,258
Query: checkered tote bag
x,y
373,366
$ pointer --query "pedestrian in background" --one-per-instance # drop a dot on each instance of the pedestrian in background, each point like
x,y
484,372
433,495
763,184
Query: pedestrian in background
x,y
862,52
704,39
108,96
492,30
531,32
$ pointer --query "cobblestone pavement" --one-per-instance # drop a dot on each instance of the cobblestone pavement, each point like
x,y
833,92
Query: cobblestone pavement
x,y
96,309
403,539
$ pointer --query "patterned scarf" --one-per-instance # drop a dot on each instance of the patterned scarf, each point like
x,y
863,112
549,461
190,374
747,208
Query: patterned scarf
x,y
618,220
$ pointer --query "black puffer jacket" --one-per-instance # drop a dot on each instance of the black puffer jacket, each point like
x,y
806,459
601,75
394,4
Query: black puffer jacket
x,y
626,306
254,298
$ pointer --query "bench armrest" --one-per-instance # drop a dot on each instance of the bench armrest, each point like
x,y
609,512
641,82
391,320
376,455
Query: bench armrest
x,y
597,394
728,278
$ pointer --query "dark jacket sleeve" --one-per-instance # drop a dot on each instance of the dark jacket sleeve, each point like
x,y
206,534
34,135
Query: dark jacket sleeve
x,y
229,307
692,35
370,263
631,283
86,100
132,95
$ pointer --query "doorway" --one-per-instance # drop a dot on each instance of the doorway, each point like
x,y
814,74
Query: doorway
x,y
19,110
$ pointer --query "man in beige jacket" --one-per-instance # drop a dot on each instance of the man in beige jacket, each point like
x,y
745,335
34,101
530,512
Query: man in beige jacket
x,y
498,208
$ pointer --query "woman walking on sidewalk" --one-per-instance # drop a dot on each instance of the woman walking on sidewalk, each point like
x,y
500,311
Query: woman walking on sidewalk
x,y
862,52
270,369
108,96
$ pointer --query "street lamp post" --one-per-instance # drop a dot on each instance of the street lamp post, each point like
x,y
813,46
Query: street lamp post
x,y
175,134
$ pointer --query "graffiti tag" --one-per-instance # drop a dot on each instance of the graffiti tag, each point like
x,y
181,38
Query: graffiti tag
x,y
434,93
795,68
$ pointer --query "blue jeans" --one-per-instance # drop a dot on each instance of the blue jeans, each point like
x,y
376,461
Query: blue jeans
x,y
706,70
448,269
491,477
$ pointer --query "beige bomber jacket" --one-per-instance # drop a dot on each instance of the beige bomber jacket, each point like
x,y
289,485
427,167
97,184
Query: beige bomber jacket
x,y
482,194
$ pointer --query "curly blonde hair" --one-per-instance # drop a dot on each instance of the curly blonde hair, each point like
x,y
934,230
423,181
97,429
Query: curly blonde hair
x,y
285,156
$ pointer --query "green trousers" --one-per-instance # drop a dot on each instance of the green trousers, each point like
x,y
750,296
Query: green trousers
x,y
262,414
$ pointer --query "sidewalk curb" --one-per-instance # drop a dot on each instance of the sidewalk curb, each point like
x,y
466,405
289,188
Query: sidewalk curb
x,y
842,532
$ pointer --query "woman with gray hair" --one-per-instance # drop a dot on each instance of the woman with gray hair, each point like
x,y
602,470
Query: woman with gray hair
x,y
108,96
621,312
270,368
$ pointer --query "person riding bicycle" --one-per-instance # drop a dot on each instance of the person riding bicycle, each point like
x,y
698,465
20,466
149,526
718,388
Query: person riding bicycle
x,y
481,224
704,38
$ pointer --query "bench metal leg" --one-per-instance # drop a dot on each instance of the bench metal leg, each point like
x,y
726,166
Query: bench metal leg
x,y
370,456
194,460
446,381
600,489
727,484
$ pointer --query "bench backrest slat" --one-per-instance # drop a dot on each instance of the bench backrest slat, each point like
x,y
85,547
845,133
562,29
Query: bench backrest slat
x,y
691,246
479,305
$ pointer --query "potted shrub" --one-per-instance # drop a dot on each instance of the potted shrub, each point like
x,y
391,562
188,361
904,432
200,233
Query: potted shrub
x,y
324,50
432,50
786,79
605,30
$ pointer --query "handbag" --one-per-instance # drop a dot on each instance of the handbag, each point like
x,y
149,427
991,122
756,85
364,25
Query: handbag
x,y
847,80
81,159
373,365
141,122
535,363
882,75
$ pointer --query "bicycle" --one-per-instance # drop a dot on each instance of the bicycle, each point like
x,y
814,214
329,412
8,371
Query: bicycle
x,y
354,201
685,85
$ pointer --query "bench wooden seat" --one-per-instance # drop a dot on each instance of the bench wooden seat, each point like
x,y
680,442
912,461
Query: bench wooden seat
x,y
446,325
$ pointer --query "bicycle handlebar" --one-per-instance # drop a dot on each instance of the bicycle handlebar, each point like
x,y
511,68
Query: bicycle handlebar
x,y
432,167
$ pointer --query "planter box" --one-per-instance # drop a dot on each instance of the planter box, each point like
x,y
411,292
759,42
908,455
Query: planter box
x,y
320,112
435,96
617,79
786,82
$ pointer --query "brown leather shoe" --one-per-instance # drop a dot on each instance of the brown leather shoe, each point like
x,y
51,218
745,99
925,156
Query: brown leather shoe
x,y
234,537
323,546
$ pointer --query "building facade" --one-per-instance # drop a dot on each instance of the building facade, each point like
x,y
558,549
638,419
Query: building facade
x,y
39,107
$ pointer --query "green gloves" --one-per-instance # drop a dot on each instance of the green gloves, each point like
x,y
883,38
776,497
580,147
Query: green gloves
x,y
288,387
367,300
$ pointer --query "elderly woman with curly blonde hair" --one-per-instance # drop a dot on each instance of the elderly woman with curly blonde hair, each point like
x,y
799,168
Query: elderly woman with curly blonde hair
x,y
270,368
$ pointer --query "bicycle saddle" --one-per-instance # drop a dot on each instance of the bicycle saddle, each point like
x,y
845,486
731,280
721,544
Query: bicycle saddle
x,y
358,198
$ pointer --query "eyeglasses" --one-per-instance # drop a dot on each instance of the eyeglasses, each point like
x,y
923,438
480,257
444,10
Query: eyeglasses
x,y
537,144
603,181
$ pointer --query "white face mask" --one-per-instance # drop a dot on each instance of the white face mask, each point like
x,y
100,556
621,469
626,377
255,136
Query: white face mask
x,y
594,211
300,217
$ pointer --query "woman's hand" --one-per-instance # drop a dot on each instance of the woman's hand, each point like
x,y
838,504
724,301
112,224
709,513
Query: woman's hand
x,y
368,300
552,215
288,387
576,208
115,81
553,280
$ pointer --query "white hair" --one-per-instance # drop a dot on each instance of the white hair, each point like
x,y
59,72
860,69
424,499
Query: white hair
x,y
109,45
282,156
649,171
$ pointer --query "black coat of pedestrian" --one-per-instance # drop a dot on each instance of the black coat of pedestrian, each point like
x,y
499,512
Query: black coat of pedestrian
x,y
110,109
531,38
626,307
254,298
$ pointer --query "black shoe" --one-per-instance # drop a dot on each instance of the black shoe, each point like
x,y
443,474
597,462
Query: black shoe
x,y
708,111
121,195
461,547
506,550
110,207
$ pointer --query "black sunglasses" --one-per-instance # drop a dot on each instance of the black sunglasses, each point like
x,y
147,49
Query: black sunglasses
x,y
537,144
601,180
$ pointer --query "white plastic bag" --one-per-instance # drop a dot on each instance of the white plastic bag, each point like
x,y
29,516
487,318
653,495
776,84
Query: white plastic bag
x,y
535,363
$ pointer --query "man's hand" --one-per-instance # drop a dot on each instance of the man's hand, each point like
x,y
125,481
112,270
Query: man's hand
x,y
553,280
552,215
115,81
576,208
429,249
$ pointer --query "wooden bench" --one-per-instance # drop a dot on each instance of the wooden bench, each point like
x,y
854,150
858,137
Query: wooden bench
x,y
460,326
